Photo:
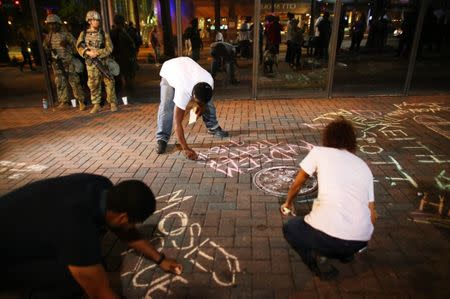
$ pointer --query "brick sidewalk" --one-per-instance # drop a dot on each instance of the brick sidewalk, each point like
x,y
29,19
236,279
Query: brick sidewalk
x,y
225,230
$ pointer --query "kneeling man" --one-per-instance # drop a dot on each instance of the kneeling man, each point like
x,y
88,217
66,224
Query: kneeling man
x,y
51,232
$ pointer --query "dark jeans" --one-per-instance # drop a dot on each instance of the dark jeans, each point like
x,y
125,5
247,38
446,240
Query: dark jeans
x,y
308,242
356,41
289,49
245,48
296,54
45,279
195,54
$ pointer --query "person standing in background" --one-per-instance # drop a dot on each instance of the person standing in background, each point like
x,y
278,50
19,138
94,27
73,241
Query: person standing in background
x,y
59,46
124,52
95,43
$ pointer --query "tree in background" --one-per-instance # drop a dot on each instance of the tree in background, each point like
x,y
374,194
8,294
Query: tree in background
x,y
74,11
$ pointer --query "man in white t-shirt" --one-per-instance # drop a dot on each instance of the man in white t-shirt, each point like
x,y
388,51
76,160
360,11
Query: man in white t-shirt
x,y
183,80
342,217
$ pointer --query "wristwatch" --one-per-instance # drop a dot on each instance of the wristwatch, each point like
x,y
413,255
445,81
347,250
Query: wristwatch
x,y
161,258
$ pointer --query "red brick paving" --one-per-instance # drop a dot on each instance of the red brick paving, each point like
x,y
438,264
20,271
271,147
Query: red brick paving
x,y
228,222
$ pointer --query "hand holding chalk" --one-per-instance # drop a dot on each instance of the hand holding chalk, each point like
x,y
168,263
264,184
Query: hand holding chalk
x,y
178,270
171,266
286,211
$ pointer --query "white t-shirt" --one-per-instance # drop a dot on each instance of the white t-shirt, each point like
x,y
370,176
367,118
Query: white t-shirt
x,y
345,190
316,26
183,74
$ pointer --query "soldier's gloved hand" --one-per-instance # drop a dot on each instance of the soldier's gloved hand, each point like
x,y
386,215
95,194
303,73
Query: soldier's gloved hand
x,y
92,53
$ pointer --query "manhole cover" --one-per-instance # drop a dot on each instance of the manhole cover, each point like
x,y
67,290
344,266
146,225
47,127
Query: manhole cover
x,y
277,180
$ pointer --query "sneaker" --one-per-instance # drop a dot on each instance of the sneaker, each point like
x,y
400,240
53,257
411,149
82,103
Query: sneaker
x,y
161,148
218,132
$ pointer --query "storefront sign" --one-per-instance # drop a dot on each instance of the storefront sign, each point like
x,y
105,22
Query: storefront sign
x,y
279,6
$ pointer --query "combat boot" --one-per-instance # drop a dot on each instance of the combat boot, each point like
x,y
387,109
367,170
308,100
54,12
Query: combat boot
x,y
95,108
114,107
82,105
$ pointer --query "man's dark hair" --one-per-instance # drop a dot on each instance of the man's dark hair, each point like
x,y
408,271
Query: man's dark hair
x,y
340,134
132,197
203,92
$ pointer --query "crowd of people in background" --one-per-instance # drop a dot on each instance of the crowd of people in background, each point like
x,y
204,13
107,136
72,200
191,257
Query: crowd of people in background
x,y
313,39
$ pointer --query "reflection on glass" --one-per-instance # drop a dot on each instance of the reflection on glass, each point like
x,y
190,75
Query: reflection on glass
x,y
433,57
374,43
21,76
294,47
219,36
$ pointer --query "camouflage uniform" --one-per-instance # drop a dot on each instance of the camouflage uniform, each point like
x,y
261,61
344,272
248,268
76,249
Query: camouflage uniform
x,y
102,43
63,43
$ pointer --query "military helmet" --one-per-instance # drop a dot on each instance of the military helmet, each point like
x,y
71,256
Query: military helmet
x,y
52,18
92,15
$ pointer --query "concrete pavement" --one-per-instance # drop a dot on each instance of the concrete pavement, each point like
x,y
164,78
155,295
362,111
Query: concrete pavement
x,y
223,228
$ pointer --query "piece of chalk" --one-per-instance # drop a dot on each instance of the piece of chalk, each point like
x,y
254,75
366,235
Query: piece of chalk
x,y
285,211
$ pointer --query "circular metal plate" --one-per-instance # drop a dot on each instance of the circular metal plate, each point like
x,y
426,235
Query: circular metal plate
x,y
277,180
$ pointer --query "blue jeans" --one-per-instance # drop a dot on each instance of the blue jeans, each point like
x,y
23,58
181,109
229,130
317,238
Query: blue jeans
x,y
167,106
308,241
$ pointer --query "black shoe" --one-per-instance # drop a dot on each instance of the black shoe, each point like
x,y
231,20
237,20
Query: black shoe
x,y
218,132
347,259
162,145
324,269
234,82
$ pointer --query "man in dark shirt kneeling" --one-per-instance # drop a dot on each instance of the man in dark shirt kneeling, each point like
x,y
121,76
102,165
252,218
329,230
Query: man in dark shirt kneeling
x,y
51,229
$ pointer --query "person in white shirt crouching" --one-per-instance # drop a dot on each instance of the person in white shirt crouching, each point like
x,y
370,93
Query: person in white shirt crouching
x,y
342,217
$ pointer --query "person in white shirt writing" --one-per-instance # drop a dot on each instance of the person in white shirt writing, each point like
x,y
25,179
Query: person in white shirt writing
x,y
182,81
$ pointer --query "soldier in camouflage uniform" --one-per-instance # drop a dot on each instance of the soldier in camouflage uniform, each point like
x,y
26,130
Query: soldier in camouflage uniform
x,y
95,43
60,45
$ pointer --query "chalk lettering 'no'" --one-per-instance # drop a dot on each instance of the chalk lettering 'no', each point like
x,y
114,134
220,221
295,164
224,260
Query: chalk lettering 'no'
x,y
172,228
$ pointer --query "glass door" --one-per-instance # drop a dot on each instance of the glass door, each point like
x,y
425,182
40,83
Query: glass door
x,y
218,35
294,48
374,47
